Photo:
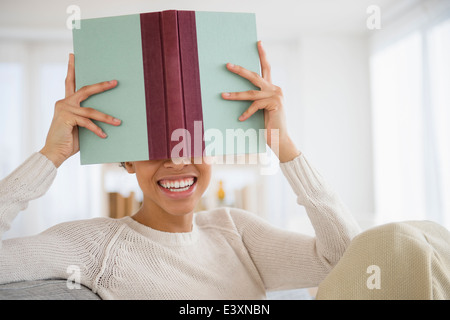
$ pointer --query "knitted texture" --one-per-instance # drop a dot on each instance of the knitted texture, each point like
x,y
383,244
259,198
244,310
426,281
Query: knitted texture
x,y
229,254
408,260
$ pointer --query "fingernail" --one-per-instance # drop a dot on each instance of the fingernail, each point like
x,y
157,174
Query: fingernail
x,y
231,65
226,94
104,135
115,120
113,82
241,118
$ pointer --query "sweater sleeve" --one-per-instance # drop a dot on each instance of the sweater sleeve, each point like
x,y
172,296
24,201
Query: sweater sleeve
x,y
287,260
53,252
29,181
333,223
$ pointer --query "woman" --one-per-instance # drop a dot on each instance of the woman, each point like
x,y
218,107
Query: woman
x,y
165,251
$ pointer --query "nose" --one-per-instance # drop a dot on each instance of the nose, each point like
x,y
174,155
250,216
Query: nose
x,y
177,163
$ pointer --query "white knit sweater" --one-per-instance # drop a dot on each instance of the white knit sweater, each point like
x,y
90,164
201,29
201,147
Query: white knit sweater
x,y
230,253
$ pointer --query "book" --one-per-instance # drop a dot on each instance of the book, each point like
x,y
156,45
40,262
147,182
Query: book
x,y
171,71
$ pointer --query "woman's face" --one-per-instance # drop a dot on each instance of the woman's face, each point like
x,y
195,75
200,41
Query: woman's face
x,y
174,187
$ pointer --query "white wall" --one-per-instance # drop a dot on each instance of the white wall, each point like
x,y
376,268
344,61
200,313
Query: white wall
x,y
326,84
336,116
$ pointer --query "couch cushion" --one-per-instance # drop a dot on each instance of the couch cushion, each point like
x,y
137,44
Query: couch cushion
x,y
44,290
56,289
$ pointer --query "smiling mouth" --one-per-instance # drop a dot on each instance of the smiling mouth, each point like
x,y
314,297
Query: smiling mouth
x,y
177,185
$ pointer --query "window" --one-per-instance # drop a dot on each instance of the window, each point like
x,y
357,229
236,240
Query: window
x,y
11,79
439,86
31,81
410,80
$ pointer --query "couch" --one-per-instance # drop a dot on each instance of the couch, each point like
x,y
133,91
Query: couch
x,y
57,289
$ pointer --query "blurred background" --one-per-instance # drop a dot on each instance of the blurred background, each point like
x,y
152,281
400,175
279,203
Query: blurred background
x,y
367,95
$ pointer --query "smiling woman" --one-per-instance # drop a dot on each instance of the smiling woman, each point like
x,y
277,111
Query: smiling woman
x,y
224,253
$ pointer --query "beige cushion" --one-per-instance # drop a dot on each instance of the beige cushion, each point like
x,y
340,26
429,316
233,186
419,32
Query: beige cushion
x,y
402,260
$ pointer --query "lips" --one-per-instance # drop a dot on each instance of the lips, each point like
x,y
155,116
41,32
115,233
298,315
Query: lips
x,y
177,187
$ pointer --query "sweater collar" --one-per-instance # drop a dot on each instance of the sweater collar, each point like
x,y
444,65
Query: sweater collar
x,y
162,237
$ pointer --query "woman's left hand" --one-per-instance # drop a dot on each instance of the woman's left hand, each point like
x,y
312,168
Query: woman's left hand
x,y
270,99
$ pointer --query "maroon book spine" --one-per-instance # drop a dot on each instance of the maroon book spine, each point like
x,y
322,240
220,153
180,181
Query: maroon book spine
x,y
155,100
173,82
190,76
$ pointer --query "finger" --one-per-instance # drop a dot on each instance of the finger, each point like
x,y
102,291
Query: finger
x,y
250,95
91,126
94,114
265,66
255,106
253,77
70,78
92,89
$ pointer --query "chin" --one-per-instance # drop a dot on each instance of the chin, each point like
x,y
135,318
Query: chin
x,y
179,209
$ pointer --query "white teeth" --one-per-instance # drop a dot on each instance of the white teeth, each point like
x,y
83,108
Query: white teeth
x,y
177,185
179,189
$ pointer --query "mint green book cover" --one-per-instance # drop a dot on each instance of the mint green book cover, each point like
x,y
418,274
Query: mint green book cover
x,y
107,49
118,48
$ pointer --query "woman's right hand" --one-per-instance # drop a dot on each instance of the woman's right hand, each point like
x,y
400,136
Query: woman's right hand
x,y
62,138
